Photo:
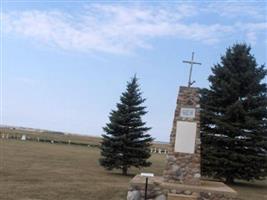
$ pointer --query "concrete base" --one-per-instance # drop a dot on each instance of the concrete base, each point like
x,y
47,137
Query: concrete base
x,y
181,197
207,190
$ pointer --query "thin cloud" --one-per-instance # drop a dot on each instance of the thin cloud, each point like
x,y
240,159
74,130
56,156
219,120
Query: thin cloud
x,y
238,9
253,30
118,29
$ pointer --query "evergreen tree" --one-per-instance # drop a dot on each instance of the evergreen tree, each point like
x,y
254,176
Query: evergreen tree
x,y
234,118
126,142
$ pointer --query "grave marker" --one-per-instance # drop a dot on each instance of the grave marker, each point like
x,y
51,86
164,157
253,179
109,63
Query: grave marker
x,y
23,137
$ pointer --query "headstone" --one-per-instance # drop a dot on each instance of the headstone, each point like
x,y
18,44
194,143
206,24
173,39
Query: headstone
x,y
23,137
159,150
183,160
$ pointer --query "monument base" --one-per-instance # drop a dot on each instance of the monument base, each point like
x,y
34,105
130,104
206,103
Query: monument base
x,y
159,190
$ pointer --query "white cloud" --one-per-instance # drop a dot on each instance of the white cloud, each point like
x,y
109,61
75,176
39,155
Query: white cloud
x,y
117,28
238,9
252,33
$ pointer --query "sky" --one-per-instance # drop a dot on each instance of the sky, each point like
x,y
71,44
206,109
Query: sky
x,y
65,63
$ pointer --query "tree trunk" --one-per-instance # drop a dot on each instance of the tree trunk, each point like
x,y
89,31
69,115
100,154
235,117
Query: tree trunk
x,y
124,170
229,180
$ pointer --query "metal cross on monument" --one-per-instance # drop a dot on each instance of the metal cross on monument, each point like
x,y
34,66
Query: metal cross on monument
x,y
191,62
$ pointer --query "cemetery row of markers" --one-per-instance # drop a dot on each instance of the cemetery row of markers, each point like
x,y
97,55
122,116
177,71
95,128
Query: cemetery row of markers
x,y
69,142
39,139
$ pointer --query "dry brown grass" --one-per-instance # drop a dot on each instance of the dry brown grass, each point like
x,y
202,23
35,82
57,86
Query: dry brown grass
x,y
43,171
32,170
256,190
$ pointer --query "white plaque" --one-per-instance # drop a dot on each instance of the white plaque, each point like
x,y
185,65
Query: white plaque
x,y
188,112
147,174
185,137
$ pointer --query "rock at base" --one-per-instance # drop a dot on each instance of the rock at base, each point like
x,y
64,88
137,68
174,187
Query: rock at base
x,y
133,195
161,197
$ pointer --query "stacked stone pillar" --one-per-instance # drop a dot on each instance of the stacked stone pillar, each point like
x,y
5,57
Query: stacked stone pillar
x,y
184,167
181,178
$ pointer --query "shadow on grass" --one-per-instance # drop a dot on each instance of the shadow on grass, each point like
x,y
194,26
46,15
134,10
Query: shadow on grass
x,y
130,175
251,184
240,183
119,174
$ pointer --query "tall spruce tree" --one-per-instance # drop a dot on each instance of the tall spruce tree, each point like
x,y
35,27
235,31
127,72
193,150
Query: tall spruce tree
x,y
234,118
126,142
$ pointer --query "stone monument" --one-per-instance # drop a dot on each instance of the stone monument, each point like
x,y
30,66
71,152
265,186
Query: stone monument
x,y
183,160
181,178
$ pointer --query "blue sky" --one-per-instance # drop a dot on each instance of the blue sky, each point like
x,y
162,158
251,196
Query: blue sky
x,y
65,63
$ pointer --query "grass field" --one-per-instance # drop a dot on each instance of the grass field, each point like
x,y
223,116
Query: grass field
x,y
31,170
43,171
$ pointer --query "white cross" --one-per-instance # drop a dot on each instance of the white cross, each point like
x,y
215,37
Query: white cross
x,y
191,62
